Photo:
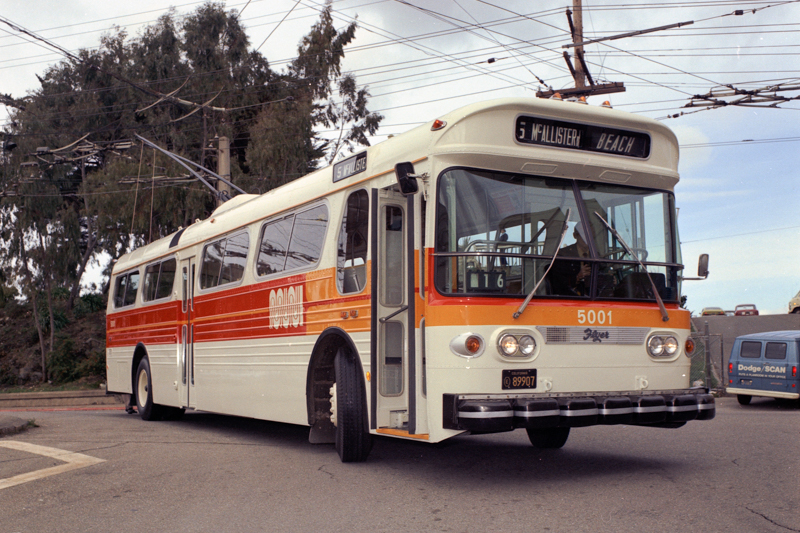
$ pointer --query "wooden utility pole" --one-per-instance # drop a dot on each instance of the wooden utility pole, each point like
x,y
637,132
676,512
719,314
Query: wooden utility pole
x,y
224,168
579,74
579,70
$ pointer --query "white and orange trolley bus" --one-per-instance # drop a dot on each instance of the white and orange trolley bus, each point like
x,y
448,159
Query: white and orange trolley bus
x,y
512,264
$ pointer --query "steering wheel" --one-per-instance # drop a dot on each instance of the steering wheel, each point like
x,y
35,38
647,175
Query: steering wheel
x,y
641,253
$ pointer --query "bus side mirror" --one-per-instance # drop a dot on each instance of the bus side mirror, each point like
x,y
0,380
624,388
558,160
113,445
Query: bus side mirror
x,y
702,269
702,266
406,178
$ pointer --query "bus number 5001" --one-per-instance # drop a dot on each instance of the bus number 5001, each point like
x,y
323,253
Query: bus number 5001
x,y
594,317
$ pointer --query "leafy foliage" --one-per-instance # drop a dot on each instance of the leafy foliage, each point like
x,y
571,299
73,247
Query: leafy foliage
x,y
181,84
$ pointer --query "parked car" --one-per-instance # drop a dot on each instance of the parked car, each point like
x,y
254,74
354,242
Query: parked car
x,y
794,303
765,364
709,311
745,310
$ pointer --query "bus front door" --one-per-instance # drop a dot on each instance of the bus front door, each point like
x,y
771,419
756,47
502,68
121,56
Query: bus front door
x,y
186,349
393,397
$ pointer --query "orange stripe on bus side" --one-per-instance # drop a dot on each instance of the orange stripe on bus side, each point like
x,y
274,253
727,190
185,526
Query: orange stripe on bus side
x,y
466,311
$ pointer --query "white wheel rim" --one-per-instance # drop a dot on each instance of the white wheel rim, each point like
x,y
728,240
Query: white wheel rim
x,y
141,389
333,404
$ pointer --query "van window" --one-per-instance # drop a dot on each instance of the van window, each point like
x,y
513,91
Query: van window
x,y
751,350
224,260
158,280
775,350
125,289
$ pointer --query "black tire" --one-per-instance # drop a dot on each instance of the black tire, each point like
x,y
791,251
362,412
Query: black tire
x,y
144,393
548,438
353,441
743,399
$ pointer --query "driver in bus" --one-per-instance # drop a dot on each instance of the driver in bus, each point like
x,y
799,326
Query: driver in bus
x,y
570,278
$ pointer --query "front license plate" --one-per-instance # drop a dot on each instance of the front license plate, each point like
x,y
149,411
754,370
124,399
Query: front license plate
x,y
519,379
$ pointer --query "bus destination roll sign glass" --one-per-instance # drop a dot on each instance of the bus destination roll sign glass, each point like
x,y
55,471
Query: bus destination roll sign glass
x,y
555,133
350,167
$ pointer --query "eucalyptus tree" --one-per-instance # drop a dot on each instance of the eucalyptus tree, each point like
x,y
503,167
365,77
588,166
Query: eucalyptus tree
x,y
181,83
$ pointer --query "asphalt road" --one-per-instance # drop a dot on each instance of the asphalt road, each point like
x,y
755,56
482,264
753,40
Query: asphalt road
x,y
737,473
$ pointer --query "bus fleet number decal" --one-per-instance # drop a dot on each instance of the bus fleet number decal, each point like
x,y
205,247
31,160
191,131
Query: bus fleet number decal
x,y
286,307
594,317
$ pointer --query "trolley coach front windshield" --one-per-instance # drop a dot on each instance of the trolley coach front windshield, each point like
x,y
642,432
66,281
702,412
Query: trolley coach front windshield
x,y
496,234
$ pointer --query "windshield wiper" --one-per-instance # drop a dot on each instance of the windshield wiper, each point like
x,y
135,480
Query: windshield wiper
x,y
555,254
664,314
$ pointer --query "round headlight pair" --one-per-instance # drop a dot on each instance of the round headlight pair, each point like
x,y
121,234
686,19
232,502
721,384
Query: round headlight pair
x,y
511,345
662,345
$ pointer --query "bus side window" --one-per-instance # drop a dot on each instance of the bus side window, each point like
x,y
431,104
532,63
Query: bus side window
x,y
308,236
150,282
235,258
119,290
133,285
212,264
274,243
166,278
351,264
224,260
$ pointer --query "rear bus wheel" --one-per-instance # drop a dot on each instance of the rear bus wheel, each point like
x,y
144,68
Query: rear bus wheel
x,y
548,438
349,406
144,393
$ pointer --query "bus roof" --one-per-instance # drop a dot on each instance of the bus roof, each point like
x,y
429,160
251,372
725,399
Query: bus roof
x,y
479,135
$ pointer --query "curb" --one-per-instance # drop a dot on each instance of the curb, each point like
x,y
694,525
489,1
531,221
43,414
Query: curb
x,y
11,424
87,398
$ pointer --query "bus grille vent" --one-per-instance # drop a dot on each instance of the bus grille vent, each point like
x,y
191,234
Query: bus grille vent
x,y
556,335
592,335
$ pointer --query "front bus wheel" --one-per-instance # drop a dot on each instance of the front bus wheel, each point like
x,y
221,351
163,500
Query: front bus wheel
x,y
548,438
349,410
144,393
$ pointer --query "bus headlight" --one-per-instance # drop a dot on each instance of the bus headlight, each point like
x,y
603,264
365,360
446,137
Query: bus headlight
x,y
670,345
662,345
526,345
508,345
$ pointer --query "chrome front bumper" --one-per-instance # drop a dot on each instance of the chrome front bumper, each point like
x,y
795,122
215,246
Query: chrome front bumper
x,y
493,413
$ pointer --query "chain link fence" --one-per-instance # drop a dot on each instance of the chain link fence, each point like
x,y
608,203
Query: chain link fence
x,y
708,361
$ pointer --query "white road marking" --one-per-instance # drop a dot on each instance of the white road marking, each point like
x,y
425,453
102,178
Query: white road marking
x,y
72,461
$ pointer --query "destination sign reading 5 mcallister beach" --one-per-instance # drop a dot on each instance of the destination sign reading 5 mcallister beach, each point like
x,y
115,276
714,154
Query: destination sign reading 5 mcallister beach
x,y
555,133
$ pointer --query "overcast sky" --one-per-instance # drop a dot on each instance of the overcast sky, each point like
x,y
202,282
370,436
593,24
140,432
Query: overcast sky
x,y
738,197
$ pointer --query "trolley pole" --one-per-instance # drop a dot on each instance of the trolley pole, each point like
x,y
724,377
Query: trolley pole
x,y
224,167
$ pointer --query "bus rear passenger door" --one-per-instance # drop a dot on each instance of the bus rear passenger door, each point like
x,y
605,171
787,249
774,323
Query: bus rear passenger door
x,y
186,349
393,405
